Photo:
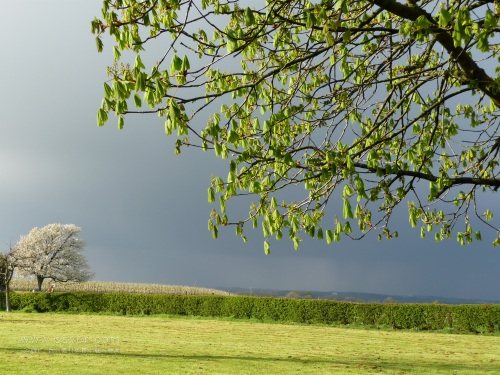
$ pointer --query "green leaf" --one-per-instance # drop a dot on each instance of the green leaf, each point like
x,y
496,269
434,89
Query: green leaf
x,y
99,44
249,17
413,218
310,20
490,20
339,4
232,166
173,113
176,64
108,91
254,222
239,230
137,100
178,145
168,126
267,248
231,45
360,186
121,122
185,64
138,63
211,195
347,211
423,23
347,228
329,236
116,53
349,163
232,136
444,17
102,117
347,192
488,215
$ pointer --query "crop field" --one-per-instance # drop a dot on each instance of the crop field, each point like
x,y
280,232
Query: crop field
x,y
33,343
106,287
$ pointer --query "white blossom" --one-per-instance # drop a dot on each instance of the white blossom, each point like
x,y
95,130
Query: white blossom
x,y
53,252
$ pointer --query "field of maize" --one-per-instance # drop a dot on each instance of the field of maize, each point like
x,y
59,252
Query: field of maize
x,y
106,287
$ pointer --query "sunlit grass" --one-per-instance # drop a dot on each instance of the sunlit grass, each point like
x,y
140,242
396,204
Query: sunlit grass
x,y
97,344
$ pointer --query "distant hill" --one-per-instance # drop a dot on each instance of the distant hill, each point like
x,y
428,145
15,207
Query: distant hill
x,y
357,297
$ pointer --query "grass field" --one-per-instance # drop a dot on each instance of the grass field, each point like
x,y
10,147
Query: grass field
x,y
99,344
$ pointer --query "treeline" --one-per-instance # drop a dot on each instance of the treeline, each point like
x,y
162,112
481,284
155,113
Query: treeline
x,y
457,318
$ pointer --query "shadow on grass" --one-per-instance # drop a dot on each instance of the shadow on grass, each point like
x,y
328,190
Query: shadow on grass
x,y
360,363
19,321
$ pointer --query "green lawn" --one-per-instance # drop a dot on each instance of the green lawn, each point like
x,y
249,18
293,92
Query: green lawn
x,y
32,343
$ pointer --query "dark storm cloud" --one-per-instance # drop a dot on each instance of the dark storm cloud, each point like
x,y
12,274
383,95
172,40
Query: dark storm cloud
x,y
143,210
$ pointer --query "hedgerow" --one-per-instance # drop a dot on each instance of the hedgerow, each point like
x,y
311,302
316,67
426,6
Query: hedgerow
x,y
459,318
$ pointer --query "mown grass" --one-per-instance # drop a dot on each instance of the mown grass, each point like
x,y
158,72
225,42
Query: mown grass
x,y
98,344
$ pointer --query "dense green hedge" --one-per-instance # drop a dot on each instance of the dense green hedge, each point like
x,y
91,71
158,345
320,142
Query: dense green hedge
x,y
459,318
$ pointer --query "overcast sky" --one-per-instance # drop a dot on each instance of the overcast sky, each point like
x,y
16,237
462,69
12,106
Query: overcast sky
x,y
142,209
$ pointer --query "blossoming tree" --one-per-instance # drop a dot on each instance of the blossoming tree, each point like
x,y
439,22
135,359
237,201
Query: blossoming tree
x,y
53,252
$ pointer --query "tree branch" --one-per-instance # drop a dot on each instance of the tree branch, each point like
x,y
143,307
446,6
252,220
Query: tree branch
x,y
471,70
493,182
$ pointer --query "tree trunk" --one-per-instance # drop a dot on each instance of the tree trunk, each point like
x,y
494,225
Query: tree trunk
x,y
39,280
7,297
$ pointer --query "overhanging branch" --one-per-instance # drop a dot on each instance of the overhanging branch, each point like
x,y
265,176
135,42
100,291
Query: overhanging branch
x,y
472,72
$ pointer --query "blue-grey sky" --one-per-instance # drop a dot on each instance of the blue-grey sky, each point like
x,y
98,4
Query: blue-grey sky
x,y
142,209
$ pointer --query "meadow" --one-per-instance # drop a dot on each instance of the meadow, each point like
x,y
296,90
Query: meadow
x,y
49,343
